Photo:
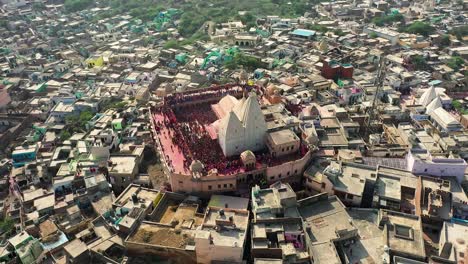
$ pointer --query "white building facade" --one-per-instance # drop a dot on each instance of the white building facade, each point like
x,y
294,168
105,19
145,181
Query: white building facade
x,y
243,128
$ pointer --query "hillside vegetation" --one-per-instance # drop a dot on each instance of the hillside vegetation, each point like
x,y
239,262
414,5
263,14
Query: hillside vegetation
x,y
196,12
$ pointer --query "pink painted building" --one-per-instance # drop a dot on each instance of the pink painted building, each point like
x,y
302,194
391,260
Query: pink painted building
x,y
186,130
421,162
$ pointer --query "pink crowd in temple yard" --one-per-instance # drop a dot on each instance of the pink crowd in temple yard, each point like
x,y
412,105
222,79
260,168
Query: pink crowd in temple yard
x,y
183,133
193,140
214,92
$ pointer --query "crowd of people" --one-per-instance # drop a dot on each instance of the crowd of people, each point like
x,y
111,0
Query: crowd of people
x,y
191,137
203,114
186,127
213,92
203,147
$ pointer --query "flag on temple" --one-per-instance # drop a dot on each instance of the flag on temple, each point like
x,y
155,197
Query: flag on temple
x,y
340,83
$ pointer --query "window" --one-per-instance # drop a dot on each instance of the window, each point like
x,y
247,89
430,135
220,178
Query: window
x,y
279,176
295,171
288,173
180,182
404,232
225,185
425,170
209,187
230,185
324,185
219,186
350,196
272,177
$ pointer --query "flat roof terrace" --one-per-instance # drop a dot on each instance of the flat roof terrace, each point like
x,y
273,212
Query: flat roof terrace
x,y
234,227
325,218
370,247
144,194
159,235
185,215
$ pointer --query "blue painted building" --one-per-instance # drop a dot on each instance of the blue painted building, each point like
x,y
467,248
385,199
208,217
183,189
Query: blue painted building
x,y
303,33
24,154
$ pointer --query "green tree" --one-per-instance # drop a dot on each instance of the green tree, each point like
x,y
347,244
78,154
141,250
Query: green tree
x,y
246,61
249,20
148,40
64,135
7,225
388,19
77,5
419,62
373,35
190,22
456,104
445,41
460,32
38,6
76,123
318,28
459,107
456,63
196,13
85,116
113,104
421,28
171,44
339,32
378,21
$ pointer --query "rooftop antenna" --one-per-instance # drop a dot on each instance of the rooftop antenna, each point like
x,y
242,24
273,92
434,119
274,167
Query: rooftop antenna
x,y
379,80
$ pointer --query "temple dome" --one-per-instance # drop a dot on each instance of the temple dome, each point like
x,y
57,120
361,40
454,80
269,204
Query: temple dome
x,y
248,157
196,166
243,76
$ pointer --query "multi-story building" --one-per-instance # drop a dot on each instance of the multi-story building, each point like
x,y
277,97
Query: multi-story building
x,y
421,162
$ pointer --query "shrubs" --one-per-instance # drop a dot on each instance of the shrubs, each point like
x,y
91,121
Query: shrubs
x,y
421,28
77,5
